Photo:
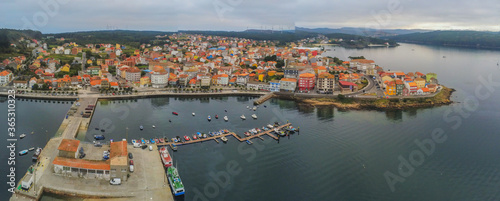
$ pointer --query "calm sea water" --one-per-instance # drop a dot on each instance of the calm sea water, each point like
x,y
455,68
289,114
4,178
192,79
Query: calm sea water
x,y
339,155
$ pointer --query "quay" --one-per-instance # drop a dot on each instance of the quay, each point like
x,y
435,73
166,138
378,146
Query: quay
x,y
264,98
147,182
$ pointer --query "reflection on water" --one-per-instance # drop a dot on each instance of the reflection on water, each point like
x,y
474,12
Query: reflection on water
x,y
305,108
159,102
325,113
411,112
394,115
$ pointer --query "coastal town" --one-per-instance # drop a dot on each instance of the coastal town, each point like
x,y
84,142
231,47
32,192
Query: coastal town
x,y
185,64
191,63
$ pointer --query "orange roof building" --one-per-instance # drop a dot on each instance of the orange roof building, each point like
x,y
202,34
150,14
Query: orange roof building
x,y
68,148
80,163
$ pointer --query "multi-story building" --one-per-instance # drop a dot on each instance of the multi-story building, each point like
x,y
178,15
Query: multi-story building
x,y
288,84
326,83
306,82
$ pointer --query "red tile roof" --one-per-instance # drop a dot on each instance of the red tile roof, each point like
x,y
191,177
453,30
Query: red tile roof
x,y
83,164
69,145
118,149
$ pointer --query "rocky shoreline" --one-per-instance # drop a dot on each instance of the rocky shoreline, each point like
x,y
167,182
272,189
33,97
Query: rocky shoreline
x,y
442,98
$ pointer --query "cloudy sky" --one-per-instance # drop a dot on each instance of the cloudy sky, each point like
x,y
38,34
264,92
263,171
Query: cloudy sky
x,y
54,16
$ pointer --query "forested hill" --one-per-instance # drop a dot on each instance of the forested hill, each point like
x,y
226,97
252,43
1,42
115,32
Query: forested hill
x,y
126,37
472,39
10,36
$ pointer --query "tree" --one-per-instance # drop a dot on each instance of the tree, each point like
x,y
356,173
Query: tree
x,y
35,87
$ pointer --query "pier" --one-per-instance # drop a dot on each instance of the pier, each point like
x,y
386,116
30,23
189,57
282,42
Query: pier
x,y
263,99
258,135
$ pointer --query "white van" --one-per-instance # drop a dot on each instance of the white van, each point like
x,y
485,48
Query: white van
x,y
137,145
115,181
131,168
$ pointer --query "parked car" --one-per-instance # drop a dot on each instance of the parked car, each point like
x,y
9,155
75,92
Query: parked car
x,y
150,148
115,181
130,156
131,162
131,168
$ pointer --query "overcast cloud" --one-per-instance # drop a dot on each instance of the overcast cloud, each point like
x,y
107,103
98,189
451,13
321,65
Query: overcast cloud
x,y
53,16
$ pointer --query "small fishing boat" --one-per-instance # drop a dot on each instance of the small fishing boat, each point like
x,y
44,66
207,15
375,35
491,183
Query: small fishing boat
x,y
265,105
37,153
99,137
270,126
243,117
195,137
223,138
204,135
142,140
186,138
157,140
175,113
199,134
31,149
225,118
225,110
134,141
162,140
151,140
248,107
96,129
209,118
194,114
23,152
249,142
173,147
170,121
165,157
247,134
22,136
141,127
216,116
254,116
154,126
102,130
174,139
254,108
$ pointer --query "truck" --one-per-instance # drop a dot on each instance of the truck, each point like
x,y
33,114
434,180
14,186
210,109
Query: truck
x,y
27,181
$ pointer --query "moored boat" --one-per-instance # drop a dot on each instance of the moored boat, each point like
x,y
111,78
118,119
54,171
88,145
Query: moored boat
x,y
154,126
254,108
175,113
209,118
99,137
37,153
223,138
216,116
31,149
225,118
173,147
254,116
243,117
195,137
141,127
249,142
23,152
157,140
165,157
175,181
22,136
162,140
186,138
194,114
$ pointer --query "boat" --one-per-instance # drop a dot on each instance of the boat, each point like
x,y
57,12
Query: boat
x,y
254,116
157,140
199,134
243,117
249,142
270,126
99,137
102,130
248,107
247,134
37,153
209,118
194,114
152,140
195,137
174,139
162,140
23,152
154,126
175,181
216,116
175,113
225,118
254,108
165,157
173,147
31,149
141,127
142,140
96,129
32,132
204,135
265,105
225,110
169,120
186,138
22,136
223,138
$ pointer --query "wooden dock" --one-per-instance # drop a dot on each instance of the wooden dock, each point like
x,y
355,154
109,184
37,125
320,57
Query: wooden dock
x,y
263,99
258,135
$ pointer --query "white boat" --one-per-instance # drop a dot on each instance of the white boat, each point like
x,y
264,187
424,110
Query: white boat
x,y
31,149
194,114
22,136
254,116
223,138
248,106
209,118
269,126
243,117
254,108
225,118
154,126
